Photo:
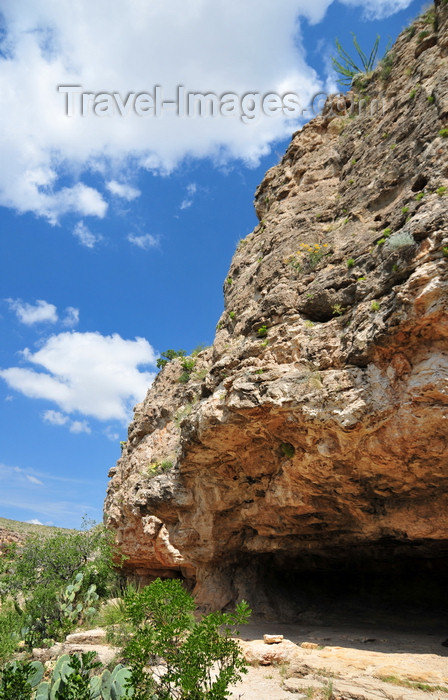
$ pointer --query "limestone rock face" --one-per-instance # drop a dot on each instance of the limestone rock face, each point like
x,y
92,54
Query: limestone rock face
x,y
316,427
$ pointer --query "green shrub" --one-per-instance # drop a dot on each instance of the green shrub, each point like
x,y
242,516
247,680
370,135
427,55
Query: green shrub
x,y
375,306
262,331
420,196
441,191
443,133
338,310
350,263
11,622
188,365
399,240
40,575
199,658
169,355
18,679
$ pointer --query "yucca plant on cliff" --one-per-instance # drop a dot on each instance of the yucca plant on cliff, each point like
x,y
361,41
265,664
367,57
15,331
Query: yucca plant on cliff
x,y
348,68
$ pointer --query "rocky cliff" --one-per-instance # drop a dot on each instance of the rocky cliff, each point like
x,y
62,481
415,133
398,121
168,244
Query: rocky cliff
x,y
313,434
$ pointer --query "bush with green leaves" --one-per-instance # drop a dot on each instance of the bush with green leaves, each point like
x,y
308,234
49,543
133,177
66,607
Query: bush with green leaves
x,y
57,558
11,623
188,365
19,679
190,659
40,575
169,355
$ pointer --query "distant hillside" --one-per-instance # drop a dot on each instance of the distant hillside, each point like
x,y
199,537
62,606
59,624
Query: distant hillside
x,y
17,531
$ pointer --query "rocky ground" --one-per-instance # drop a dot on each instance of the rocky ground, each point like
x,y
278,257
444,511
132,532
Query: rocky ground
x,y
376,661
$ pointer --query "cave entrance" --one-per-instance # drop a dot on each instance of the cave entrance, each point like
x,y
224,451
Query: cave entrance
x,y
374,583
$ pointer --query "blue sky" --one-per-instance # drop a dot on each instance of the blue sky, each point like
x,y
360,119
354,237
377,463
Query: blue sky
x,y
116,232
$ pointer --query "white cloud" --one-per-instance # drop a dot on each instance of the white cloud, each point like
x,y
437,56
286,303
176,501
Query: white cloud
x,y
80,426
34,521
86,372
110,433
55,418
85,235
145,241
130,46
29,314
380,8
34,480
71,317
191,191
122,190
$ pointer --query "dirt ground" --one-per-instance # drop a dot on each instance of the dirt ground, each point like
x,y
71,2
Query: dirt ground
x,y
369,660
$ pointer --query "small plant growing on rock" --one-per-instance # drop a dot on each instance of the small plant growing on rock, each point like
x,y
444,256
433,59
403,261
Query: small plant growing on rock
x,y
229,280
350,263
262,331
404,210
445,251
188,365
287,449
169,355
441,191
375,306
443,133
308,256
159,467
400,240
232,315
338,310
419,196
348,68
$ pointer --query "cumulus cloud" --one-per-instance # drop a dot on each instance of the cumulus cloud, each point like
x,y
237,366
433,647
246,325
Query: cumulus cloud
x,y
80,426
85,235
34,521
58,418
129,47
123,190
145,242
55,418
92,374
42,312
29,314
71,316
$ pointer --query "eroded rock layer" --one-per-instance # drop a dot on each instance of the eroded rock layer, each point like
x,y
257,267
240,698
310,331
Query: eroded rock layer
x,y
314,432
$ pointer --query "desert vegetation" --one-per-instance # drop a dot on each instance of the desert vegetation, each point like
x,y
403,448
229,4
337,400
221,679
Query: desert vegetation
x,y
51,585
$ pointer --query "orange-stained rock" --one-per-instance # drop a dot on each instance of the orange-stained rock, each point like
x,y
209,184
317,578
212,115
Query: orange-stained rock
x,y
316,427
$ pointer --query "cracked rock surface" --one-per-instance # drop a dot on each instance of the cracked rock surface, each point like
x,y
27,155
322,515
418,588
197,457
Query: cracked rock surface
x,y
314,431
